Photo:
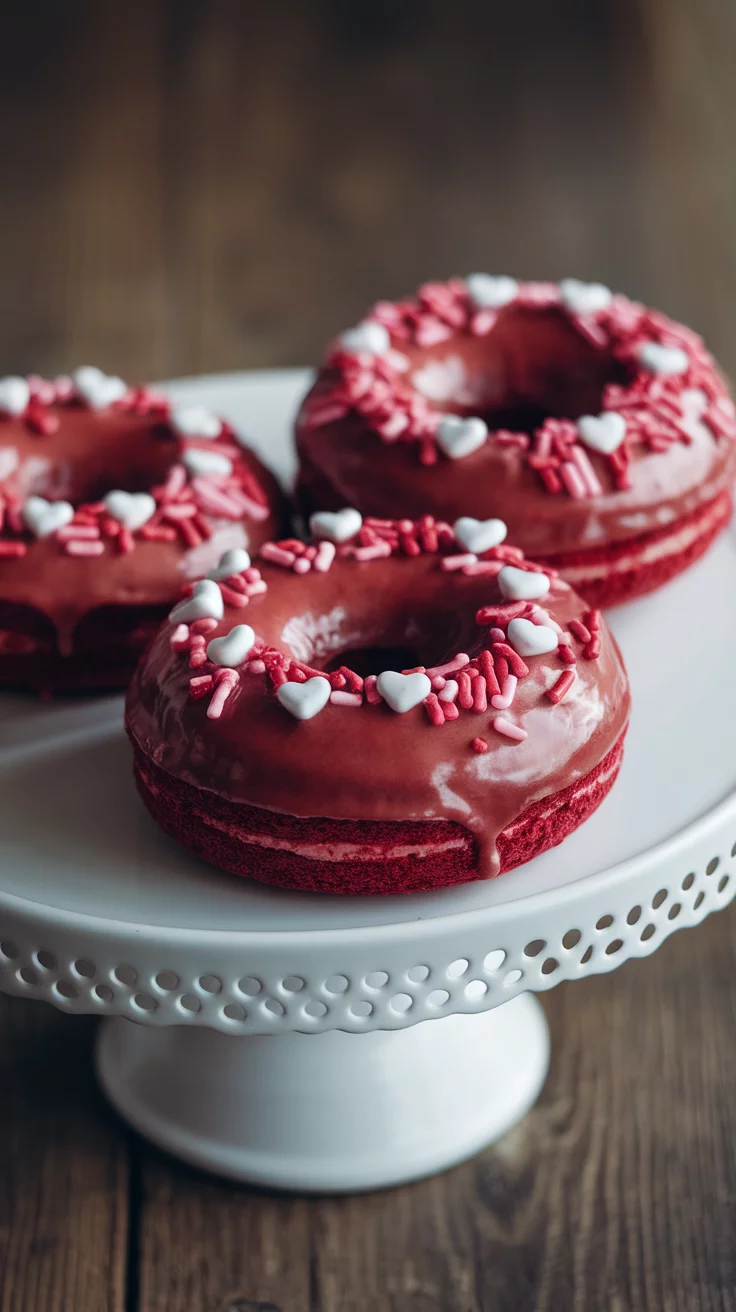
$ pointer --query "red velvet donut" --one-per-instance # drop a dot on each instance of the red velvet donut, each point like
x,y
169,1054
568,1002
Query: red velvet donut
x,y
391,714
110,499
600,431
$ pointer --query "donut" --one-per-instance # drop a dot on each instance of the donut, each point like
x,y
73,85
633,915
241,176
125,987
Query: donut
x,y
401,706
601,431
110,499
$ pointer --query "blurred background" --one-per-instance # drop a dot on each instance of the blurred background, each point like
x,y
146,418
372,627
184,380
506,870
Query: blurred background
x,y
203,185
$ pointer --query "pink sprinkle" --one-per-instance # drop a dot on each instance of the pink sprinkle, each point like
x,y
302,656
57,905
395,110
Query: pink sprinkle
x,y
84,548
566,654
197,657
488,567
256,667
450,667
175,483
376,552
187,510
587,473
573,480
302,565
509,730
516,664
415,669
503,700
558,689
485,665
592,651
434,711
125,542
592,618
78,533
497,635
257,589
465,690
157,533
251,574
449,710
438,682
372,695
228,680
200,627
458,562
277,555
480,700
325,556
449,692
339,698
233,596
579,631
200,685
479,745
180,638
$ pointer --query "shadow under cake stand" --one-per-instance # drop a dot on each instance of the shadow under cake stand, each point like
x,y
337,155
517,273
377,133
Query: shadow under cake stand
x,y
320,1043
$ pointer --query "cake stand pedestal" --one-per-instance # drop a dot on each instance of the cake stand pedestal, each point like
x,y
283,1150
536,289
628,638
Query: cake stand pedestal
x,y
323,1043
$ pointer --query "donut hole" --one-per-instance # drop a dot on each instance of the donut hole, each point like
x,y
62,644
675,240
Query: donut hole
x,y
406,632
532,365
94,453
372,660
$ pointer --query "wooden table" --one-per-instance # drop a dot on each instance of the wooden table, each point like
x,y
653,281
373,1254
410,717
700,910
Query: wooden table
x,y
196,186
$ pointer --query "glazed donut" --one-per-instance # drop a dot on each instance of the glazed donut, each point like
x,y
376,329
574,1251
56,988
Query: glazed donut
x,y
600,431
110,498
408,706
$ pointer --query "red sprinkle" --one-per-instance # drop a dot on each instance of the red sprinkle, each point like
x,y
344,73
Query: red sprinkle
x,y
13,549
592,618
579,631
479,745
558,689
484,662
566,654
480,700
465,690
372,696
450,711
231,597
516,664
593,649
434,710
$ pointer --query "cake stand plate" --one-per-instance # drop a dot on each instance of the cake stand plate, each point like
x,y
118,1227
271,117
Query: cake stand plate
x,y
325,1043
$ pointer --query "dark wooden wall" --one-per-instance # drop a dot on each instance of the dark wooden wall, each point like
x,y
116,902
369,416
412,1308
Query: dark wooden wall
x,y
192,186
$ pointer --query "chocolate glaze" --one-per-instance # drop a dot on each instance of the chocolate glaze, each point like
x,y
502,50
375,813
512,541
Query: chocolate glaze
x,y
532,363
369,763
92,453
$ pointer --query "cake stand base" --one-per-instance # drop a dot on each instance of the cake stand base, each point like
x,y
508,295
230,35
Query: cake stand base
x,y
330,1112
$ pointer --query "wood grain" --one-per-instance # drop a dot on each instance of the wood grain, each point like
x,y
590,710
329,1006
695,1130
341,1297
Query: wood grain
x,y
189,187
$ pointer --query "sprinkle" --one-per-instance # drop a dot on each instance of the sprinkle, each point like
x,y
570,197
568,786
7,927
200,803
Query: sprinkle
x,y
480,700
434,711
277,555
228,680
449,563
516,664
551,480
501,668
486,669
503,700
200,627
13,549
256,589
125,541
176,513
438,683
579,631
449,710
233,596
191,535
465,690
158,533
450,667
592,618
566,654
197,657
256,667
179,639
200,685
372,553
409,545
573,480
372,695
509,730
84,548
501,613
324,557
558,689
590,479
593,649
479,745
449,691
302,565
78,533
346,698
487,567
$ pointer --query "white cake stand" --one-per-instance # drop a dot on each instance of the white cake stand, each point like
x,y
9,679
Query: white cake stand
x,y
275,1037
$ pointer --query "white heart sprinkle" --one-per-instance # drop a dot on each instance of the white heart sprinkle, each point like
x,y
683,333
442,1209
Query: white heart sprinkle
x,y
303,700
131,509
366,336
336,526
14,395
663,359
403,691
585,297
460,437
45,517
97,388
531,639
9,461
206,462
522,584
232,649
205,603
490,292
479,535
233,562
194,421
604,432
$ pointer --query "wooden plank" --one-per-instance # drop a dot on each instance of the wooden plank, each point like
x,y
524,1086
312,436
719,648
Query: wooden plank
x,y
63,1169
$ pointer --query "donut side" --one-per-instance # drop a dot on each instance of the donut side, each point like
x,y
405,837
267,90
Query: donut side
x,y
320,855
